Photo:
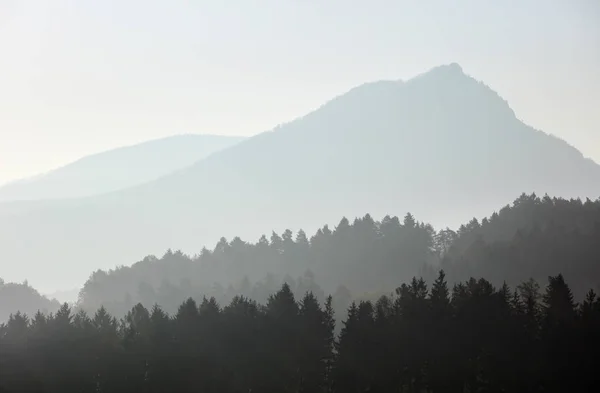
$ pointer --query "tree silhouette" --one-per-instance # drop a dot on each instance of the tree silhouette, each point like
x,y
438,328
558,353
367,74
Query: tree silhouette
x,y
473,338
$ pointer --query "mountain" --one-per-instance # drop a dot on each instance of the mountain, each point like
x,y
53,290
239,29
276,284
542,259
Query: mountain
x,y
117,169
442,145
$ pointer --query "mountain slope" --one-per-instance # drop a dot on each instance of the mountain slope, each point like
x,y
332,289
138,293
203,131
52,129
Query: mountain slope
x,y
441,145
117,169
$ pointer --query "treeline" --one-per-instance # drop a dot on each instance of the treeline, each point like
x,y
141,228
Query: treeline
x,y
169,295
365,255
532,238
468,338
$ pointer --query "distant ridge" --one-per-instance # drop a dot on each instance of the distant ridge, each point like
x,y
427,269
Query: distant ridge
x,y
117,169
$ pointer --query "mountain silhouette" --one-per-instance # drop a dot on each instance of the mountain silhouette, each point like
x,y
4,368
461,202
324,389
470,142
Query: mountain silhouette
x,y
442,145
117,169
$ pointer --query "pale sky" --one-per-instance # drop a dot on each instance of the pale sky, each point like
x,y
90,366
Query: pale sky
x,y
82,76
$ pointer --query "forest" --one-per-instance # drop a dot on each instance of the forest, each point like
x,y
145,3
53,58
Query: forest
x,y
532,238
503,304
471,337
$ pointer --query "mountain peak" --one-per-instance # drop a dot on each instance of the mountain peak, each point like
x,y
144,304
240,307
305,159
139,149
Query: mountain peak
x,y
451,73
452,70
452,67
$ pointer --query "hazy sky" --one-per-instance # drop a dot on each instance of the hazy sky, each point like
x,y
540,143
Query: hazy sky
x,y
78,76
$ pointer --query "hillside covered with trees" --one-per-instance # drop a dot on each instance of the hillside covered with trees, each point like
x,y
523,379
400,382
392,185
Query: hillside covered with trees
x,y
471,337
531,238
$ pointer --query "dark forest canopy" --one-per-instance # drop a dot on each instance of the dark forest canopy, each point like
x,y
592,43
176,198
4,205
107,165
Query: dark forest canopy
x,y
532,238
472,337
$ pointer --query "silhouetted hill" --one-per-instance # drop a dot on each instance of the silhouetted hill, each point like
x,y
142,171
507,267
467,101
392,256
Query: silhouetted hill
x,y
442,145
532,238
117,169
22,297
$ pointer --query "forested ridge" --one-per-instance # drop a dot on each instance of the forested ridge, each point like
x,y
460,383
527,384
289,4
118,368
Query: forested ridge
x,y
258,318
472,337
531,238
